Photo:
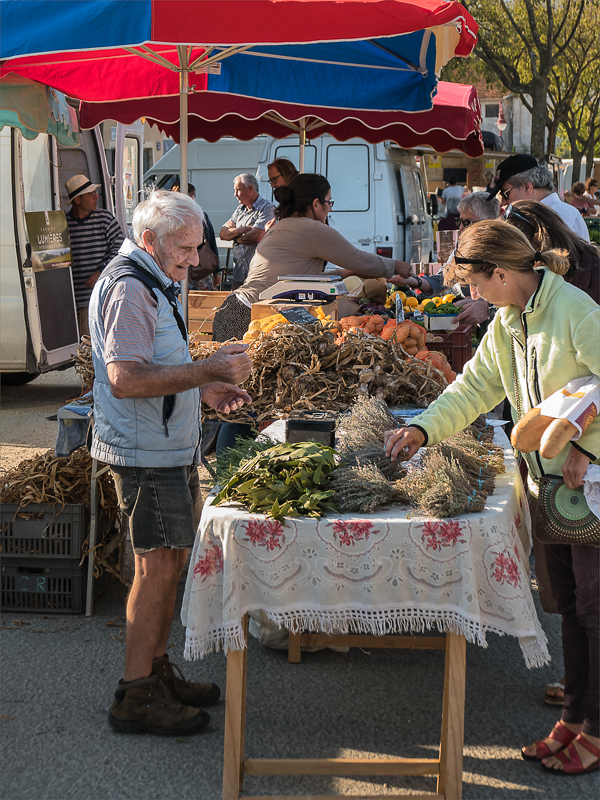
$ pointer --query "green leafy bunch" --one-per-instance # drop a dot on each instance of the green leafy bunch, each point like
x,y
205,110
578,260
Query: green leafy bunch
x,y
445,308
287,480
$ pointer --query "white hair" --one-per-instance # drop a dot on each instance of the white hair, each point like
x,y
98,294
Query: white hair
x,y
247,180
479,205
165,213
539,177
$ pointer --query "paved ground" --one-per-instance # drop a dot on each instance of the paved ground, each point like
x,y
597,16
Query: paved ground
x,y
59,673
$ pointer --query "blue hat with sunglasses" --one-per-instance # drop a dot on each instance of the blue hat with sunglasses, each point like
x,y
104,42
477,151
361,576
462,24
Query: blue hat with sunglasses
x,y
513,165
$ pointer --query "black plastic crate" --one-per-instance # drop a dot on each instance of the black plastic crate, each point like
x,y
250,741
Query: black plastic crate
x,y
41,530
49,587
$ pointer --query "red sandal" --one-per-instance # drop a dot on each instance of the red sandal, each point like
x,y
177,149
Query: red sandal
x,y
569,757
559,733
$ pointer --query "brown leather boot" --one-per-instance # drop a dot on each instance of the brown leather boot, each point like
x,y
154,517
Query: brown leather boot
x,y
145,706
188,693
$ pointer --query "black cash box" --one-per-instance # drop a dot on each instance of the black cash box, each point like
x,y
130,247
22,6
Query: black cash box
x,y
311,426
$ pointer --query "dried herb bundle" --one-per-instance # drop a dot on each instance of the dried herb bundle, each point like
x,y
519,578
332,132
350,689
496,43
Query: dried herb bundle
x,y
84,366
362,488
441,488
360,435
301,367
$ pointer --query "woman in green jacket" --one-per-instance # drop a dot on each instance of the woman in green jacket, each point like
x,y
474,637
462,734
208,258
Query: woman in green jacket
x,y
545,334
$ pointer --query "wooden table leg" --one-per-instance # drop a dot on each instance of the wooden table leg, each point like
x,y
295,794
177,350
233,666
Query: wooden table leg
x,y
449,783
294,651
235,714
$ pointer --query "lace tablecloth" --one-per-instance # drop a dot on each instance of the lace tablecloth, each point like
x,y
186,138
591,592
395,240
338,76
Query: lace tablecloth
x,y
382,573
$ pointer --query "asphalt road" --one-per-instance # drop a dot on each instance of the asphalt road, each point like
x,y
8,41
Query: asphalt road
x,y
59,673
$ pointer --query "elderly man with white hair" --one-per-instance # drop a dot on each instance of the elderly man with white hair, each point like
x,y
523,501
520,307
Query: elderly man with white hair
x,y
246,227
147,395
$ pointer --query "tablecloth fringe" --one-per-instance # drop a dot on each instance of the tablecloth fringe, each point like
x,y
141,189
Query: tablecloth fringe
x,y
372,621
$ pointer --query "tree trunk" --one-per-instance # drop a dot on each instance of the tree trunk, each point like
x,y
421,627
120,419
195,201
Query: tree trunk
x,y
589,155
577,155
539,95
552,129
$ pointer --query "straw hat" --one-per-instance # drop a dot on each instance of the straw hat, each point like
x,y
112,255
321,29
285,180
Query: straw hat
x,y
79,184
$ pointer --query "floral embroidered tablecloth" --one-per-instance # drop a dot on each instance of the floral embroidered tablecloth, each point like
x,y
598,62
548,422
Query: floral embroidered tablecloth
x,y
382,573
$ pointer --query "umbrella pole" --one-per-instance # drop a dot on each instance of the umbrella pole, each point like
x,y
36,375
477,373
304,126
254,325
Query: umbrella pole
x,y
183,149
302,144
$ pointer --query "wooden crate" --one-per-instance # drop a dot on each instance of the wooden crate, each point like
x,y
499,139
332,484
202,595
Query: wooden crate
x,y
202,307
342,307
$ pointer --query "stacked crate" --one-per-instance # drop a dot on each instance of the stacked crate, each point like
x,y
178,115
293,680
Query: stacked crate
x,y
41,550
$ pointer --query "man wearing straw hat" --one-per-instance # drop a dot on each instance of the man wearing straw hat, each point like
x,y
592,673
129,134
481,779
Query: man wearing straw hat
x,y
95,240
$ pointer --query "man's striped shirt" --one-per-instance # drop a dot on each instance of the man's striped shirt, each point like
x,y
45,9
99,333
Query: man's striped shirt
x,y
95,240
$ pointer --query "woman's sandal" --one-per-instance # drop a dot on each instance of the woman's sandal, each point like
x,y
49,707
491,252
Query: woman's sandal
x,y
559,733
569,757
554,699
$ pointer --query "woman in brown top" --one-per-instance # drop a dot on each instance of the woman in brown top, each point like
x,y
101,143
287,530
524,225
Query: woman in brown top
x,y
300,244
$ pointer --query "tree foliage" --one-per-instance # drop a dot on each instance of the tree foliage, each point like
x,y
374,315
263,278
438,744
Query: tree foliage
x,y
541,51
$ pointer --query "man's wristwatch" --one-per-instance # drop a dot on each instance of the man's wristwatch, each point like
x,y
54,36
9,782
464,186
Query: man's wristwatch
x,y
418,280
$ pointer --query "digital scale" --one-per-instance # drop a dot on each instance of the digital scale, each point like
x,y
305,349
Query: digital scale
x,y
305,288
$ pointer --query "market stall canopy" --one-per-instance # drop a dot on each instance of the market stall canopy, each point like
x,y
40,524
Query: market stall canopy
x,y
367,54
454,122
34,108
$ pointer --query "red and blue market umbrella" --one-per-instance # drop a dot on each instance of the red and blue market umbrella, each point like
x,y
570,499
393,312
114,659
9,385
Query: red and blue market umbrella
x,y
454,122
362,54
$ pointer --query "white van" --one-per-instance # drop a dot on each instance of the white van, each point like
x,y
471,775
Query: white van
x,y
38,323
211,168
379,191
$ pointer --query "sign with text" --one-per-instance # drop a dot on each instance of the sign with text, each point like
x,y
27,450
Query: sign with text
x,y
48,235
299,316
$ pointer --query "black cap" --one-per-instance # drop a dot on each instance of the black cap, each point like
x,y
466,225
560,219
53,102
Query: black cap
x,y
513,165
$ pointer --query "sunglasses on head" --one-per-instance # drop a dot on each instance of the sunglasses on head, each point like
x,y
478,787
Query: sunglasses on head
x,y
458,259
512,212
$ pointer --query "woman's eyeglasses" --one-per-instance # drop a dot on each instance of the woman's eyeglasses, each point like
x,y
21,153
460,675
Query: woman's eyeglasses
x,y
274,179
329,203
464,222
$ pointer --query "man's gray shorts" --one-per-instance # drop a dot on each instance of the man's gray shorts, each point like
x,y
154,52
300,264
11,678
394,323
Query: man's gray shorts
x,y
163,505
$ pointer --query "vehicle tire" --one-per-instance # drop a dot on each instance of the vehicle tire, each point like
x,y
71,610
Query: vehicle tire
x,y
17,378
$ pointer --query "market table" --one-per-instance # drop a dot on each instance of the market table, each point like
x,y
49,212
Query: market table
x,y
360,576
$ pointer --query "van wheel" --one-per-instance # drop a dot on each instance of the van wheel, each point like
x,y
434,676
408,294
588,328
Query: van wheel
x,y
17,378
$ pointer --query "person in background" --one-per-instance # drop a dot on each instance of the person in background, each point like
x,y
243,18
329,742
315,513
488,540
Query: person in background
x,y
578,199
299,244
280,173
147,396
472,208
591,192
520,177
246,227
95,240
537,312
489,180
452,190
546,230
211,281
450,221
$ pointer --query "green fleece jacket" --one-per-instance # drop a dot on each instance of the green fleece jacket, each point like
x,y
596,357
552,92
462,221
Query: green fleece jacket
x,y
556,340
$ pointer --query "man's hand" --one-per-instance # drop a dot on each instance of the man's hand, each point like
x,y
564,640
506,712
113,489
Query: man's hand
x,y
229,232
230,363
574,468
473,311
91,281
224,397
401,268
396,441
